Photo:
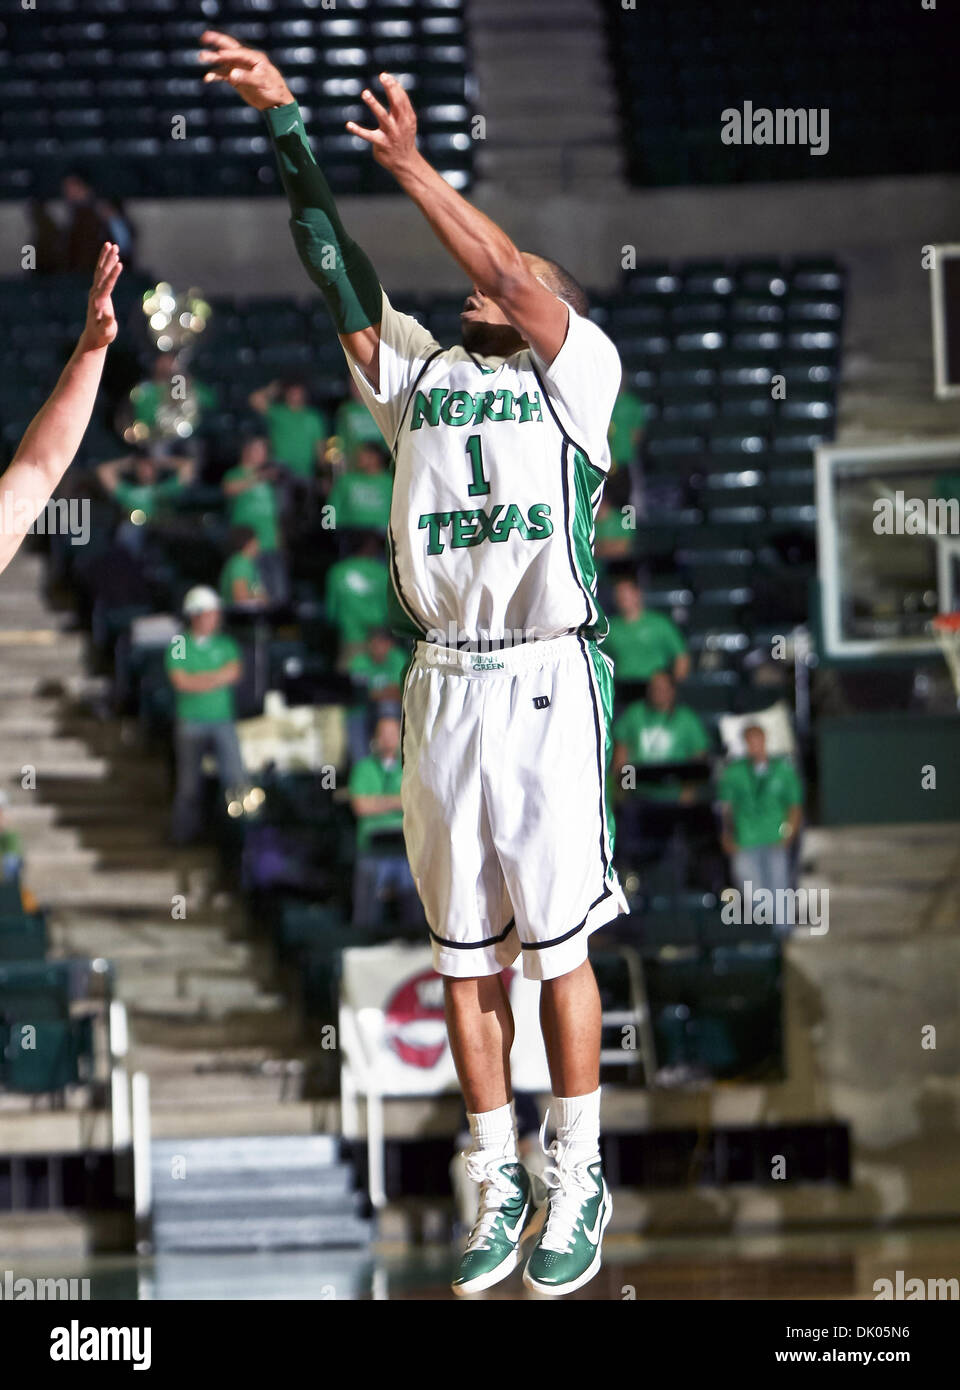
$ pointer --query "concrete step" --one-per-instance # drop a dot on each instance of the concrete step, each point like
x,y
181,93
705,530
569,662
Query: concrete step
x,y
264,1154
18,683
173,940
255,1233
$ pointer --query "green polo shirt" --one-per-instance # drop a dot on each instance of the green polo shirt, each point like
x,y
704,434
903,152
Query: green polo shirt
x,y
613,527
256,508
146,497
355,426
642,646
760,800
240,566
356,597
10,842
373,777
376,676
294,436
203,654
362,500
629,416
149,396
653,736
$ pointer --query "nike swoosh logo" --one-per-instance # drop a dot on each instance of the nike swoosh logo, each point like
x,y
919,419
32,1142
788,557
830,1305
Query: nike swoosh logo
x,y
593,1236
513,1234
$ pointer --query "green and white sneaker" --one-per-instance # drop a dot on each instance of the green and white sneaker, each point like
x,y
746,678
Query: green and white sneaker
x,y
493,1248
567,1253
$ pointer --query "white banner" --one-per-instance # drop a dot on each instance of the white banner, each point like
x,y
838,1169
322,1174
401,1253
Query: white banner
x,y
395,999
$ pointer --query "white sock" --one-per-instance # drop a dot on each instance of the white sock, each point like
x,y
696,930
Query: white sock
x,y
495,1130
578,1124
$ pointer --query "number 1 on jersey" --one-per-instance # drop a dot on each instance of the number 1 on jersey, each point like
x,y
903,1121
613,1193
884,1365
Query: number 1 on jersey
x,y
479,487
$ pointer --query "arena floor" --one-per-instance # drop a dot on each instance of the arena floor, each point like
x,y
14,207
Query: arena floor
x,y
805,1266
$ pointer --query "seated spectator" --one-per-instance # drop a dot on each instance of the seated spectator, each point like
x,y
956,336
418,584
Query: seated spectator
x,y
168,406
118,228
625,434
378,670
626,427
762,803
240,581
640,641
140,485
375,799
86,229
354,425
360,496
11,847
298,432
251,494
356,596
658,730
203,666
614,540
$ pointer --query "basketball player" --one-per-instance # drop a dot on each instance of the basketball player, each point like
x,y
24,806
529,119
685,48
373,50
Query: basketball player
x,y
53,436
500,451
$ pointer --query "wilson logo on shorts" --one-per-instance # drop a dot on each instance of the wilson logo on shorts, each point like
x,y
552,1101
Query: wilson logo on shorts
x,y
541,701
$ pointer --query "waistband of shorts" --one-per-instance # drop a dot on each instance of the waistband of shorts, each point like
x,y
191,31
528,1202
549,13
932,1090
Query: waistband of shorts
x,y
493,660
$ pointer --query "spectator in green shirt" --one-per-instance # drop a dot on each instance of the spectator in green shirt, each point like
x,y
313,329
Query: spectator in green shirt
x,y
378,671
138,485
356,596
375,799
240,581
360,496
626,428
203,666
168,407
11,847
354,425
252,501
642,642
762,803
657,730
298,432
614,537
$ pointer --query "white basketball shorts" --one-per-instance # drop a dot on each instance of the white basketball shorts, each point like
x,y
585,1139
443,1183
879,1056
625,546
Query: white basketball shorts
x,y
505,809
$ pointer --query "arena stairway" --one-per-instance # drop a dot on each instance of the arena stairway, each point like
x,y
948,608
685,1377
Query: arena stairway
x,y
208,1022
282,1192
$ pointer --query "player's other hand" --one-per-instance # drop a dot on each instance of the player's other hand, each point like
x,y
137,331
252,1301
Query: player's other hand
x,y
395,139
248,71
100,328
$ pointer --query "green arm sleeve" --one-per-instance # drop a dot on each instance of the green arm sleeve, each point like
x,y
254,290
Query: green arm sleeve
x,y
335,263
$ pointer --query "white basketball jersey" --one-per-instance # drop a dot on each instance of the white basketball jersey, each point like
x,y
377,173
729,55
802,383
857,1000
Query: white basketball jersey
x,y
499,469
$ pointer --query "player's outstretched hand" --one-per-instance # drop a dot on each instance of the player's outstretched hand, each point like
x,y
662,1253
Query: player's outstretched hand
x,y
100,328
395,139
248,71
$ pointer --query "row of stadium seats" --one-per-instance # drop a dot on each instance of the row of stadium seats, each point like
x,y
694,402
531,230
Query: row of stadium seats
x,y
115,86
678,67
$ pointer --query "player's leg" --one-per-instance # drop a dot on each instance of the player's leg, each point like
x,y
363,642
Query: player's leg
x,y
556,854
481,1030
460,883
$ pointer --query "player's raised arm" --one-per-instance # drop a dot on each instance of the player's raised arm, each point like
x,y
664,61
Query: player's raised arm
x,y
333,260
54,434
482,249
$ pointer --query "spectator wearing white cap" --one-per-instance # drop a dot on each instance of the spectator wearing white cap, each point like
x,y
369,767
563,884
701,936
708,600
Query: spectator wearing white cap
x,y
203,665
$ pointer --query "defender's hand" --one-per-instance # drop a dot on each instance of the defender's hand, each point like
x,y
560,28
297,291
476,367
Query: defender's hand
x,y
100,328
395,139
248,71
